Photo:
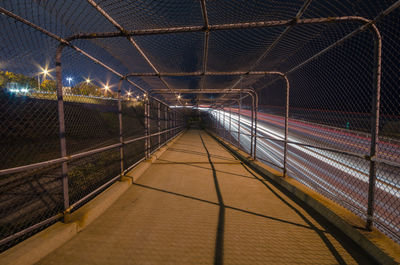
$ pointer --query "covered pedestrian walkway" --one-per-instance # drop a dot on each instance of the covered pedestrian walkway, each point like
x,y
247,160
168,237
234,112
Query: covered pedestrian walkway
x,y
198,204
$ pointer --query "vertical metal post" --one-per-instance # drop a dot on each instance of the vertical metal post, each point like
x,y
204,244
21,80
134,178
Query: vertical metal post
x,y
230,124
121,149
159,123
255,124
146,127
239,114
215,121
169,123
374,124
217,118
175,123
285,144
165,124
252,125
61,122
149,126
219,122
223,123
172,123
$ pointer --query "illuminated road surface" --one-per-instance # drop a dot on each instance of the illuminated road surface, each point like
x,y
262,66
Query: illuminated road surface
x,y
343,178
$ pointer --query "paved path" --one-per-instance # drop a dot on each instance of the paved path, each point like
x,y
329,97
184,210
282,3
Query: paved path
x,y
199,205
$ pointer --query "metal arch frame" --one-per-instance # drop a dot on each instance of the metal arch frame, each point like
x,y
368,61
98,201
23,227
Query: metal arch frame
x,y
253,94
218,27
250,92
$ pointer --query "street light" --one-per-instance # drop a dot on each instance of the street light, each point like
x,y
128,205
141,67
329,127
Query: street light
x,y
88,81
69,79
45,71
106,88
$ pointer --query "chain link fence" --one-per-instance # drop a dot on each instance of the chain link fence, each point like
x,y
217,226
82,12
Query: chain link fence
x,y
330,115
76,77
67,134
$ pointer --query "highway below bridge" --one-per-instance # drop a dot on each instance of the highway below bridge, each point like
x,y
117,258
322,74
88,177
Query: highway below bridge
x,y
327,159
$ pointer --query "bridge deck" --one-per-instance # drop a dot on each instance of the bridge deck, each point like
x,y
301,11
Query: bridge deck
x,y
199,205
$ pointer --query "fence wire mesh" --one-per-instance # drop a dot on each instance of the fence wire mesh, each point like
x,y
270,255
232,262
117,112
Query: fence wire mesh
x,y
330,102
330,111
33,198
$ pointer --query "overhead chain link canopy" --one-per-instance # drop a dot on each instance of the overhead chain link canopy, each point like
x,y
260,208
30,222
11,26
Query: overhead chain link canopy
x,y
201,36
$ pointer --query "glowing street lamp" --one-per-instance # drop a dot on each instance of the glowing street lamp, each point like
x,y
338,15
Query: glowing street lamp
x,y
88,81
44,72
179,96
106,88
69,79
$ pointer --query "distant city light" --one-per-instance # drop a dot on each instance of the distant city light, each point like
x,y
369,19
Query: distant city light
x,y
45,72
88,80
14,88
106,87
179,96
69,79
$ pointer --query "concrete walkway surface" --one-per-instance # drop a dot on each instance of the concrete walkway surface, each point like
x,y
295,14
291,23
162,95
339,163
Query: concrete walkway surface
x,y
197,204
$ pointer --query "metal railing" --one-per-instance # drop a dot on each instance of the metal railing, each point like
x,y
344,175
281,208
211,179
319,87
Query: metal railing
x,y
74,184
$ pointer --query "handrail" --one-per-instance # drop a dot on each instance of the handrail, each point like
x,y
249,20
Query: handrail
x,y
78,155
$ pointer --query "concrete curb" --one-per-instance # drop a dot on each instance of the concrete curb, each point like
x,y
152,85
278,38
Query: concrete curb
x,y
33,249
361,240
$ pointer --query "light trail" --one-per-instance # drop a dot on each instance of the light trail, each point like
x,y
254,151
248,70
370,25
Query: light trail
x,y
341,177
338,161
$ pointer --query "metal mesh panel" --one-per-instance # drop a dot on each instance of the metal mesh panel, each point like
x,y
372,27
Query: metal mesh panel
x,y
90,124
28,198
178,45
29,129
87,174
387,208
